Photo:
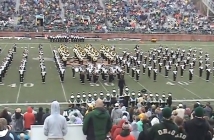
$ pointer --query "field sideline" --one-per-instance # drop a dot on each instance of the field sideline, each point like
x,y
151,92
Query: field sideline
x,y
35,93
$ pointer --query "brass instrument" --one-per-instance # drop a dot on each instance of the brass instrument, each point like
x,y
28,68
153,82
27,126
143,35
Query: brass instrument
x,y
64,52
79,51
110,54
92,52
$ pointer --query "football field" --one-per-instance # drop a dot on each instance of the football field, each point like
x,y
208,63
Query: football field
x,y
33,92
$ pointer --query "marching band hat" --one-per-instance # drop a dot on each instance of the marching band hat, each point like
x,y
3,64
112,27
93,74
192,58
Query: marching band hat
x,y
107,94
170,94
145,94
84,96
133,93
163,96
116,104
143,90
72,96
180,105
78,96
156,94
95,94
113,90
101,94
89,95
139,94
151,94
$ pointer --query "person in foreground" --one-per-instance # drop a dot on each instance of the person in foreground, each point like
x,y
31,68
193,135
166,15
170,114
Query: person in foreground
x,y
97,123
197,128
55,125
165,130
125,133
5,133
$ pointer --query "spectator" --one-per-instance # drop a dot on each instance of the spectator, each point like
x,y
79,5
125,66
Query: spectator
x,y
75,110
197,128
208,110
29,118
5,133
39,116
135,131
170,129
180,111
181,135
55,126
140,124
118,129
116,113
126,113
47,113
17,121
97,124
125,133
72,120
5,114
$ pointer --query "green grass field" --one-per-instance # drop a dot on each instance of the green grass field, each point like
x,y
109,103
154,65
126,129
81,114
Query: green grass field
x,y
33,92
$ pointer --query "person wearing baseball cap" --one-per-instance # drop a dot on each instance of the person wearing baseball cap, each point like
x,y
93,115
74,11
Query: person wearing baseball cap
x,y
197,128
165,130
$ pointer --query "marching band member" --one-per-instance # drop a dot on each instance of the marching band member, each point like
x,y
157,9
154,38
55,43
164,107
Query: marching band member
x,y
21,75
174,75
72,99
82,76
114,97
208,71
166,71
126,97
95,97
191,70
133,72
137,74
107,100
182,67
101,96
201,68
84,100
144,68
160,67
78,100
156,100
127,67
163,101
149,70
89,99
62,73
155,72
43,73
133,100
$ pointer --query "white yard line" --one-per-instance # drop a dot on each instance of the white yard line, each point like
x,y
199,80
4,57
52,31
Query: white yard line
x,y
142,86
18,94
183,87
63,89
3,48
103,86
20,85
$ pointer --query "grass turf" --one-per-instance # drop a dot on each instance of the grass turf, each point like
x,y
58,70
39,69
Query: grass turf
x,y
33,91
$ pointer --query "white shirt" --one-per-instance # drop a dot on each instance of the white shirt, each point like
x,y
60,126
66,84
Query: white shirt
x,y
180,112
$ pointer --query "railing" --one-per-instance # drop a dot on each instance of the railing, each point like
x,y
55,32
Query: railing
x,y
209,4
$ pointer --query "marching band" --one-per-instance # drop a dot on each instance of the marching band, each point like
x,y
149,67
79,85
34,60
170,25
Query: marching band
x,y
66,38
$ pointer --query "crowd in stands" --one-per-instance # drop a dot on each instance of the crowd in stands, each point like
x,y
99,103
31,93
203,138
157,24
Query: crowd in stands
x,y
118,122
144,16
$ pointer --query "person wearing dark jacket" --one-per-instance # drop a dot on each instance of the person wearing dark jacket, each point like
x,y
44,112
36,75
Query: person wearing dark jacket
x,y
97,123
5,133
197,128
4,114
39,116
165,130
47,113
121,85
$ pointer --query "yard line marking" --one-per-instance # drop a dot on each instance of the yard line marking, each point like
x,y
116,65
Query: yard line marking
x,y
17,98
204,79
63,89
3,48
183,87
142,85
103,86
